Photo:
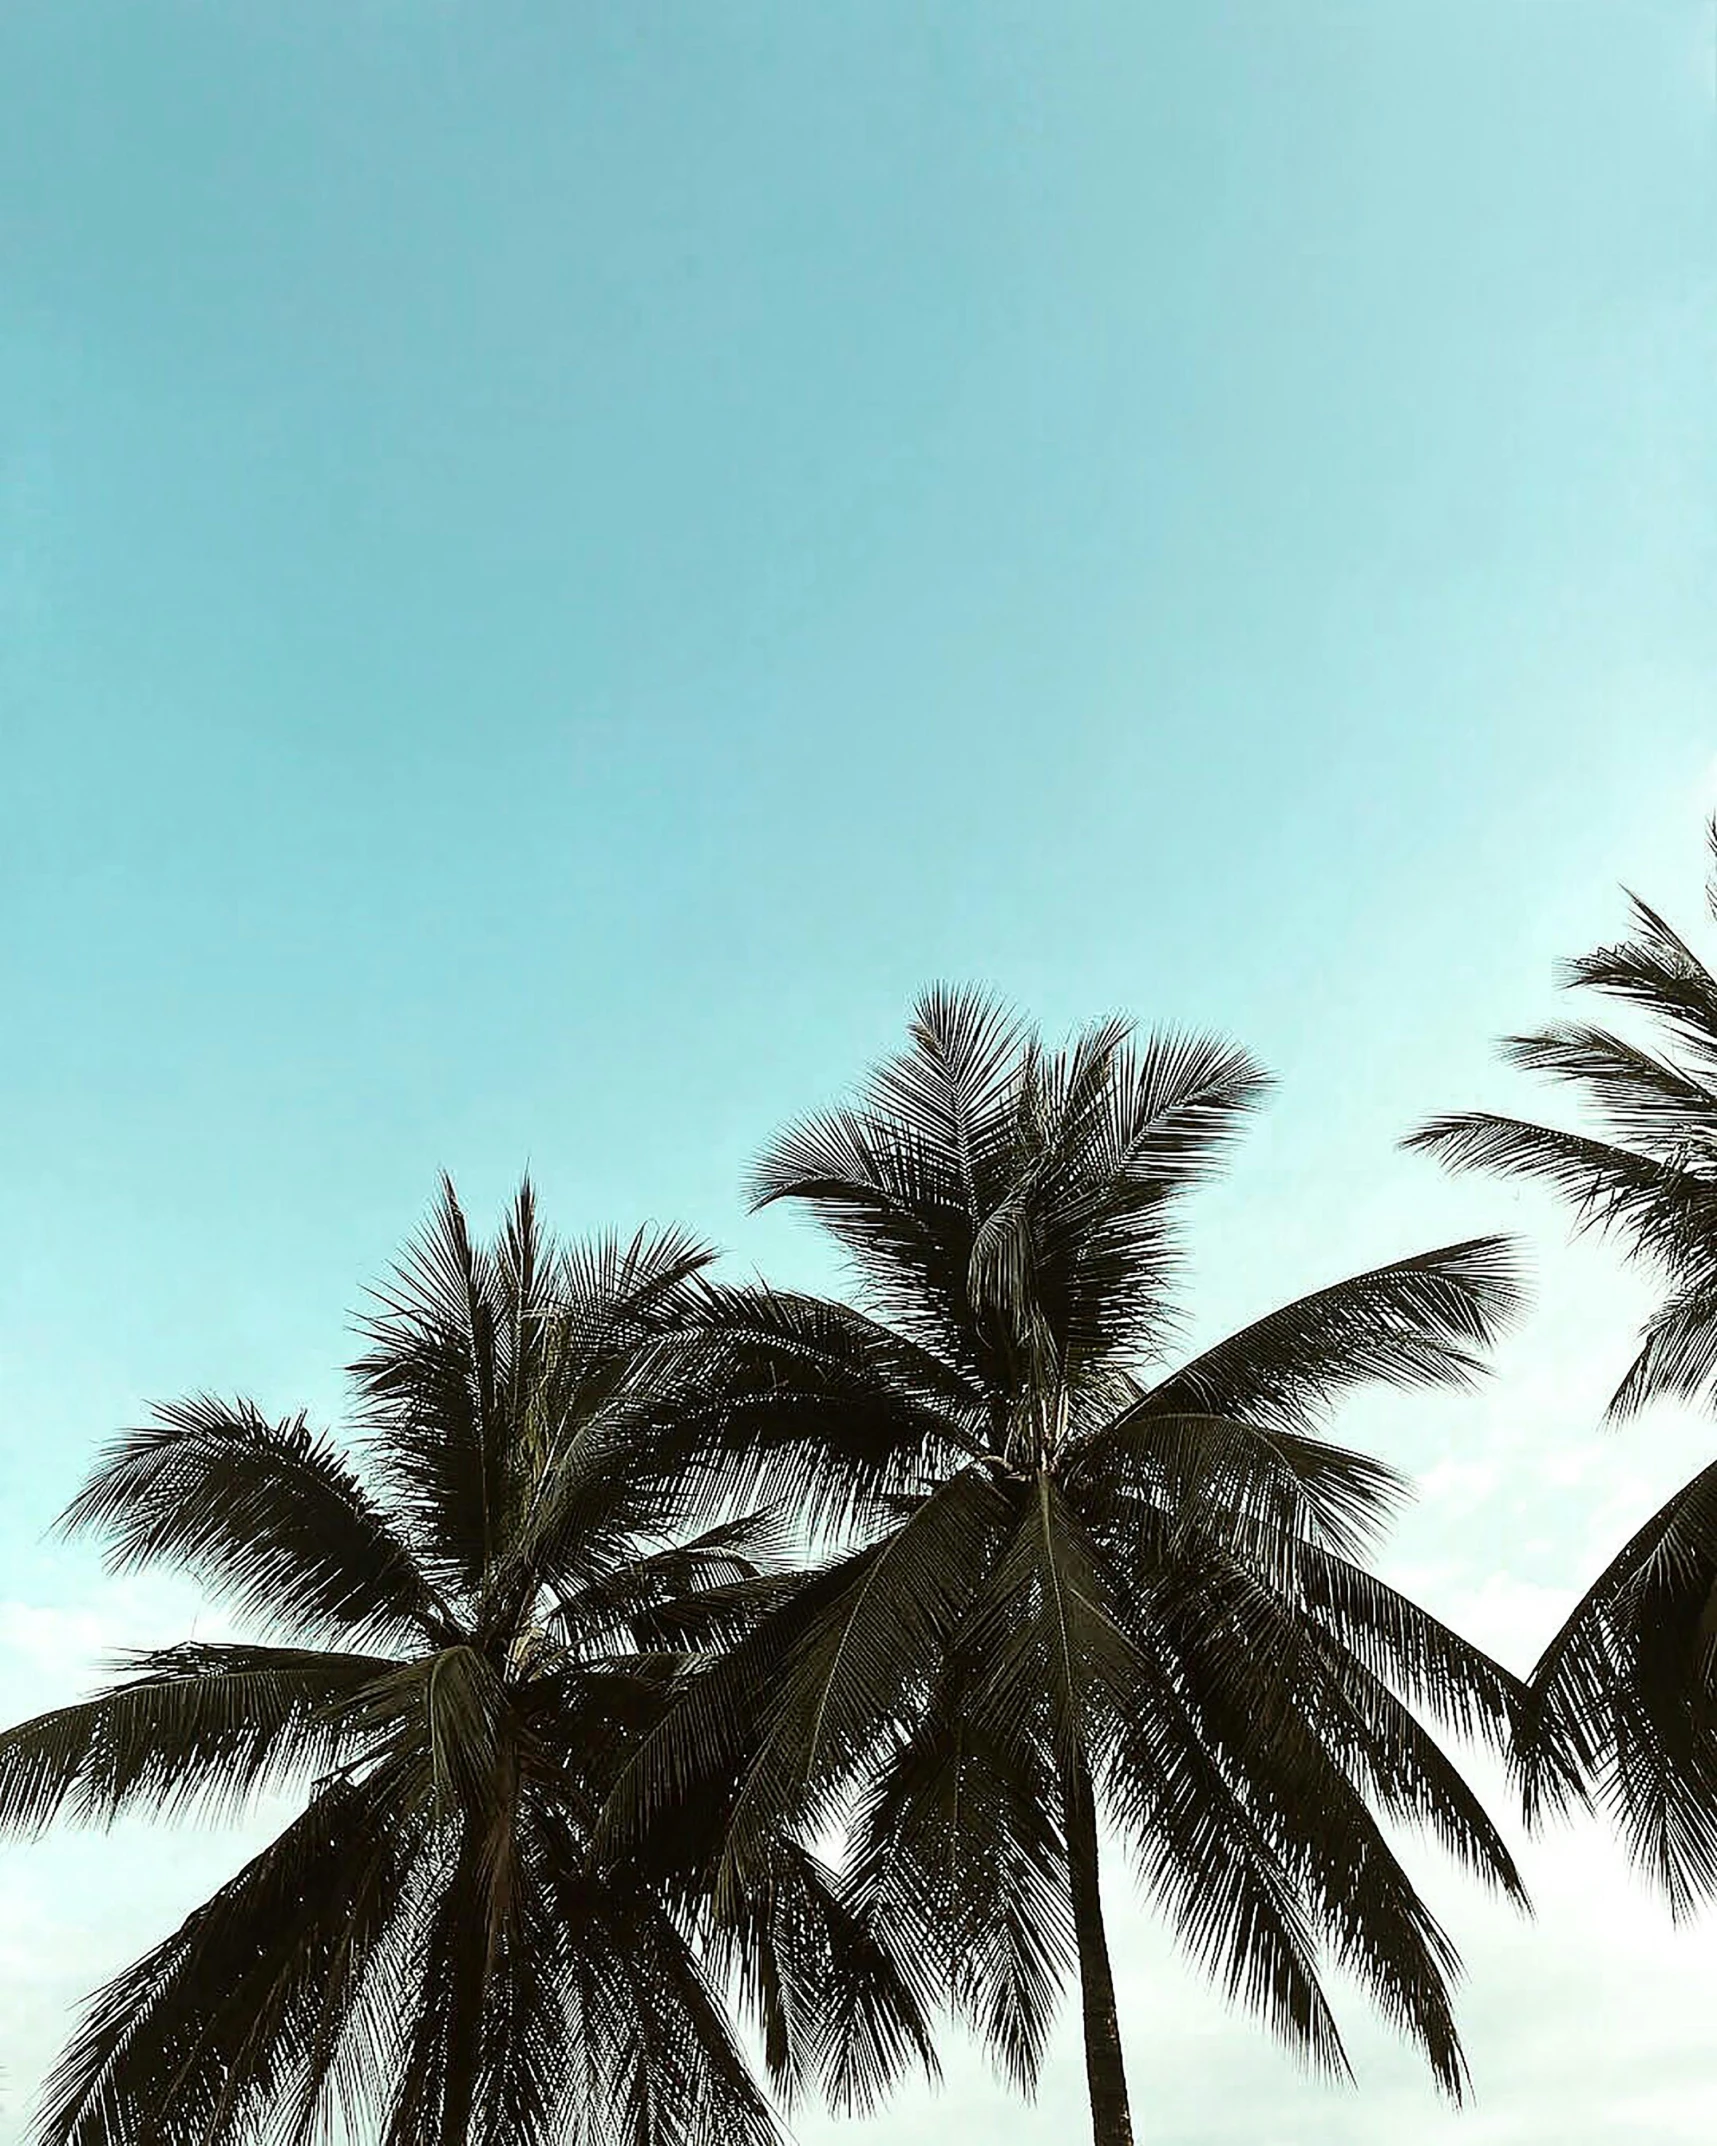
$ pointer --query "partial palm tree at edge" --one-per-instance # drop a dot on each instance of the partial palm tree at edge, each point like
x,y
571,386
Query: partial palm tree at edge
x,y
1623,1695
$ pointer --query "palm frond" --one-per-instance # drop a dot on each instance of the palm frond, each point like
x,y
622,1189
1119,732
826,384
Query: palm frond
x,y
833,1999
821,1413
1643,1100
1041,1634
903,1179
1622,1697
1677,1358
958,1845
1658,972
1424,1321
1263,1699
196,1727
200,2041
654,2025
432,1386
952,1084
1663,1211
437,2078
266,1515
1345,1695
1404,1646
1152,1476
858,1665
1233,1899
1112,1702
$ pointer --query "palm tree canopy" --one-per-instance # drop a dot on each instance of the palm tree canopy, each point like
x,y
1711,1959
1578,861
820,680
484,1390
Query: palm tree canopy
x,y
1066,1563
457,1640
1622,1697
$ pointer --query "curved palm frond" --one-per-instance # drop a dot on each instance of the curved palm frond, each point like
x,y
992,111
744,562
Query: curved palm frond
x,y
1661,1209
208,2033
959,1846
1622,1696
1660,974
855,1668
1424,1321
832,2000
1276,1493
1642,1100
268,1516
1263,1699
1677,1357
822,1413
197,1728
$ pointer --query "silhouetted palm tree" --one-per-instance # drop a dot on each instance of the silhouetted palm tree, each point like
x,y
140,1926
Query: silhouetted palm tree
x,y
1082,1587
1626,1688
461,1637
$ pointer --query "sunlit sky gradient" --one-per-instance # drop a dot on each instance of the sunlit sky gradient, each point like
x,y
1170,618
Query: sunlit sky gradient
x,y
557,562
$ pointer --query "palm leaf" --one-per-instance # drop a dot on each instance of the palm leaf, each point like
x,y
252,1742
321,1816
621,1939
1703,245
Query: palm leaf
x,y
199,1728
1423,1321
957,1845
1662,1210
1644,1101
203,2037
266,1515
859,1663
1622,1694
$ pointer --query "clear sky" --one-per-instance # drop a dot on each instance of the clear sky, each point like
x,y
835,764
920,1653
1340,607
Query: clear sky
x,y
557,562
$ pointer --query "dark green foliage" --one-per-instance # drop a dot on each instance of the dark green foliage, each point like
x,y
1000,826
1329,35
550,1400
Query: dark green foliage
x,y
1066,1565
1623,1697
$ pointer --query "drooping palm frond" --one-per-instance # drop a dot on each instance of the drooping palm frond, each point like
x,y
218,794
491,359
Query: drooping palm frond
x,y
205,2036
268,1516
858,1666
960,1845
1263,1699
1233,1896
832,2004
1625,1691
195,1727
1677,1357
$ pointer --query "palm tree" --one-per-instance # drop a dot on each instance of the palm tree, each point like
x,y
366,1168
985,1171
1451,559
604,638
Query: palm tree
x,y
1623,1695
455,1645
1079,1589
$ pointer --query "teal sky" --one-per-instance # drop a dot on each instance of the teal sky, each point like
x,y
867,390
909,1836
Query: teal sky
x,y
556,563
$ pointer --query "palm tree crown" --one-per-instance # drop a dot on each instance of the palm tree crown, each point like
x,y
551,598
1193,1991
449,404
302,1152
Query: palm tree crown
x,y
1623,1694
458,1642
1076,1581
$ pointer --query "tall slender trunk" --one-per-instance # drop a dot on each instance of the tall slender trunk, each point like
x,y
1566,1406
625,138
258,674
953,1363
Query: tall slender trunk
x,y
1105,2070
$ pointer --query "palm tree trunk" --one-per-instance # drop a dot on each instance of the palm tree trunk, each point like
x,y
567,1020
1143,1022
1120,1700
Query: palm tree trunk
x,y
1105,2070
